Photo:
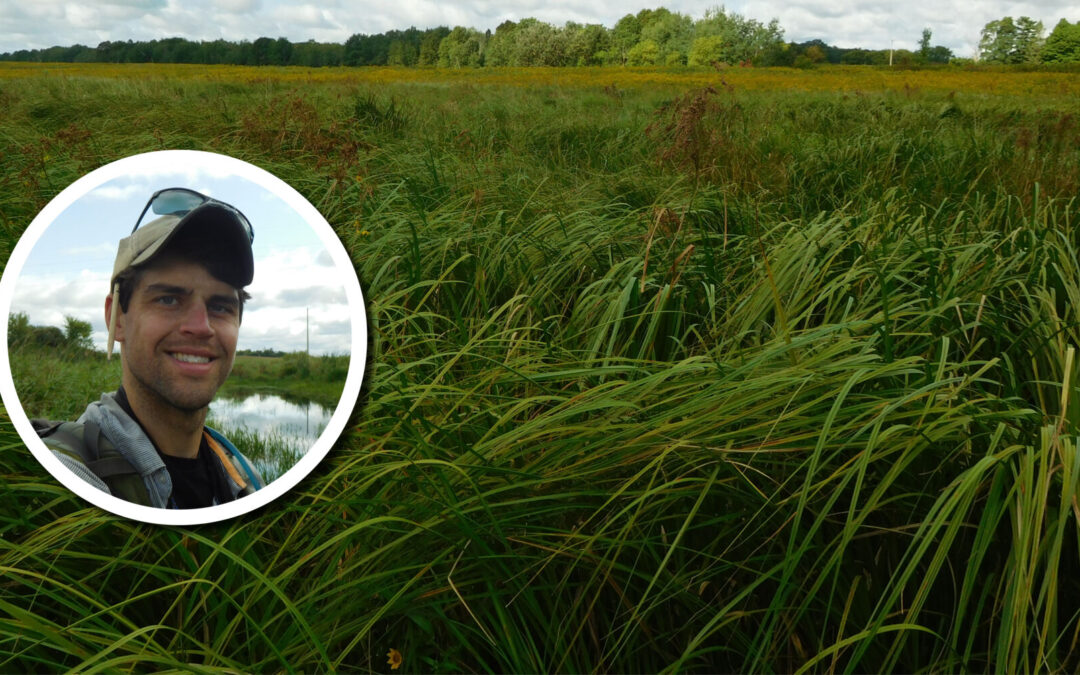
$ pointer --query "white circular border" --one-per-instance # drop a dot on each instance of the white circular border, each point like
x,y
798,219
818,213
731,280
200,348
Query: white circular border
x,y
153,161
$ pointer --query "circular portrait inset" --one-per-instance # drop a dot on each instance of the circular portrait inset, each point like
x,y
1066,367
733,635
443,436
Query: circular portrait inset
x,y
185,337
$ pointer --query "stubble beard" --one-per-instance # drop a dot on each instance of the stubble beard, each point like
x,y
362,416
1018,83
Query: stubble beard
x,y
164,391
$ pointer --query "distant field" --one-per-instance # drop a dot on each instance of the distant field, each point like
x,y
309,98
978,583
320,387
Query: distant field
x,y
1048,84
739,371
316,378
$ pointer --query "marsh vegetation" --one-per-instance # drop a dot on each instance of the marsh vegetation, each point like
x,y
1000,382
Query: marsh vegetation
x,y
663,377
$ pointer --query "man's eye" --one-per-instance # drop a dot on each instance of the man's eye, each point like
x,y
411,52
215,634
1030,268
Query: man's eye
x,y
223,308
167,300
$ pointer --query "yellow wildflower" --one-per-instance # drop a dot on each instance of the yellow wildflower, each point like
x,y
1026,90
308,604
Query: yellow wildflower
x,y
394,659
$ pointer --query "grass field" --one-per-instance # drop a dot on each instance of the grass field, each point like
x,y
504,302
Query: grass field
x,y
760,371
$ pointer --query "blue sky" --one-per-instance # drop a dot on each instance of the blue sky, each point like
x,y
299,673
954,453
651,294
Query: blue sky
x,y
847,23
68,271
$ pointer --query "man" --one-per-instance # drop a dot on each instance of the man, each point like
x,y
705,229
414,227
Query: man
x,y
175,304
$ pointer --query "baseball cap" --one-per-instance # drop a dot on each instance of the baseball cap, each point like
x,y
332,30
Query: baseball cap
x,y
212,229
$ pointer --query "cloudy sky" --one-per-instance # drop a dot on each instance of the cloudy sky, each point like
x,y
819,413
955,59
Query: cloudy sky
x,y
67,273
846,23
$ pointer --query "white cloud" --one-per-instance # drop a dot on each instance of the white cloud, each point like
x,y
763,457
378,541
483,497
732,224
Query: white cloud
x,y
239,6
285,329
311,296
117,193
93,251
46,299
304,16
191,174
877,24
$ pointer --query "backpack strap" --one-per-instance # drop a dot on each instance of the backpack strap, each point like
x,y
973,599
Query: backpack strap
x,y
87,444
238,462
107,466
214,446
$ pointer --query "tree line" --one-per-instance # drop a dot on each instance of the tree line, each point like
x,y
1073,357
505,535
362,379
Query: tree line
x,y
649,37
1021,40
75,334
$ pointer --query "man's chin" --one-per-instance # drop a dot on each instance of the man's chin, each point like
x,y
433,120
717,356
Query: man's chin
x,y
185,397
190,403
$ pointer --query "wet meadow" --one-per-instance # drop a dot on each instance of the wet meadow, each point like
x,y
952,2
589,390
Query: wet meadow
x,y
689,370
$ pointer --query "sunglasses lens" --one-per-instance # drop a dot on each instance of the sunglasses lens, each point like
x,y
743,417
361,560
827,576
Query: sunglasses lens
x,y
176,202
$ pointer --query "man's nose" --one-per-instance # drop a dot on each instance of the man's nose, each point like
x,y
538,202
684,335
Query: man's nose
x,y
196,320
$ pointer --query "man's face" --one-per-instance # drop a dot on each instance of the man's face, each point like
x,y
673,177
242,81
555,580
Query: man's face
x,y
179,334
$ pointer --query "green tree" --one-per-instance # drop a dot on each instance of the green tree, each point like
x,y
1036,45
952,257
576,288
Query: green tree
x,y
625,34
315,54
402,53
281,54
903,57
48,336
707,50
461,48
672,32
18,328
814,54
644,53
742,39
856,57
499,50
924,45
940,54
261,51
537,43
1007,41
585,44
77,333
367,50
429,45
1029,39
1063,44
997,41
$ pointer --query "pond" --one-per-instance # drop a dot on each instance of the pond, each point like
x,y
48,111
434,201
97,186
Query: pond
x,y
273,432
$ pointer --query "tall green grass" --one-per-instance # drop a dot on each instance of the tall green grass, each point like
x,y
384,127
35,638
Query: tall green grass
x,y
769,382
273,452
57,384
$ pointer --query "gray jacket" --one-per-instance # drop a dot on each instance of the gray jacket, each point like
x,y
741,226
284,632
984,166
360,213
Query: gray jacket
x,y
131,442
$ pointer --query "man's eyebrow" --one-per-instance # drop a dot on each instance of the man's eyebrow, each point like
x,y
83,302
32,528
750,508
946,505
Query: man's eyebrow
x,y
167,288
230,300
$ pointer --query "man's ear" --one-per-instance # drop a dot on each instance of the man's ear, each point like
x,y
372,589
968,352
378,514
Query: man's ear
x,y
119,337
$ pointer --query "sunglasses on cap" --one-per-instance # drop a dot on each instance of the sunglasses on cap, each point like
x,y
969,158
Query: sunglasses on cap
x,y
181,201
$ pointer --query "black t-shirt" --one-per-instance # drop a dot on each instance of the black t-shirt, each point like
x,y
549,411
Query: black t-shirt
x,y
196,482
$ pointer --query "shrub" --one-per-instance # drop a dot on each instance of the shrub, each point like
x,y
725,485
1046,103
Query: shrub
x,y
371,113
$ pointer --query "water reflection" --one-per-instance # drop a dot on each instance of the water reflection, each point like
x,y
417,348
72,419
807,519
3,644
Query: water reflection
x,y
273,432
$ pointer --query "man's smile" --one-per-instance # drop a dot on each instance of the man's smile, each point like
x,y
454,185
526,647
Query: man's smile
x,y
193,361
189,358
